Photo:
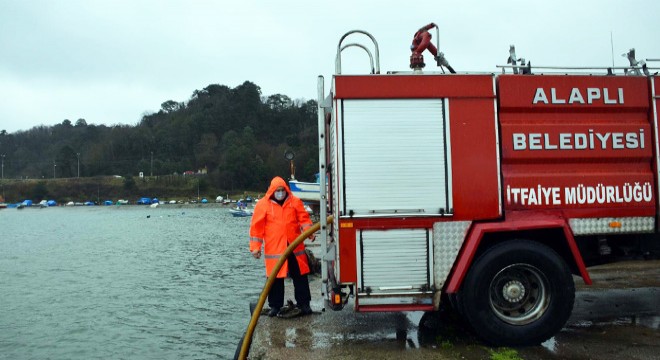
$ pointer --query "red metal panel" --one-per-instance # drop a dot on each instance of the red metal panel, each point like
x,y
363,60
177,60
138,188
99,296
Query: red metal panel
x,y
393,223
392,307
347,254
474,159
655,108
579,143
572,93
412,86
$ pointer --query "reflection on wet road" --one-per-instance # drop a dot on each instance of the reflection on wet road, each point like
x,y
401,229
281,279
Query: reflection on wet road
x,y
617,318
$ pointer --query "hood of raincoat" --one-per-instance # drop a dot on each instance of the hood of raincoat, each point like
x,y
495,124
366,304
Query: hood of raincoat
x,y
274,184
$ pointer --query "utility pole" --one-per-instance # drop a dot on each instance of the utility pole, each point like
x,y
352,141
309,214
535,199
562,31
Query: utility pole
x,y
78,155
152,164
3,177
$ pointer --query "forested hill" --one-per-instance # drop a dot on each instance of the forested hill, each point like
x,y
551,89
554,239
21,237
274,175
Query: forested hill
x,y
236,134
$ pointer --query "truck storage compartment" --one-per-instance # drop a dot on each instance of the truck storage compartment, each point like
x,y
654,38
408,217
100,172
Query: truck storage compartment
x,y
395,157
394,261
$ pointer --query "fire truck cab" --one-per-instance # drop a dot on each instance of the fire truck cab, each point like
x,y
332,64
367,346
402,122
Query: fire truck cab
x,y
481,191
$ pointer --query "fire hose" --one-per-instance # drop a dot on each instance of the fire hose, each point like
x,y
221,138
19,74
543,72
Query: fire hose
x,y
247,338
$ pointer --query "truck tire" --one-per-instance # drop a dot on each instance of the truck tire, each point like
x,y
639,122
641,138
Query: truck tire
x,y
517,293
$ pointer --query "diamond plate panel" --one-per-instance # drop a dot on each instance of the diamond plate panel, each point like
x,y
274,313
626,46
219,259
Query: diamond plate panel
x,y
448,239
602,225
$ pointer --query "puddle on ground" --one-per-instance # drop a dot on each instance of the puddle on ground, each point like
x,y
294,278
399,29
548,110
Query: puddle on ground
x,y
412,335
635,336
602,328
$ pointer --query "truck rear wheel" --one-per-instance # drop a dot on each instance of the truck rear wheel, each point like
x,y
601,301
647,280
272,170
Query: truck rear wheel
x,y
517,293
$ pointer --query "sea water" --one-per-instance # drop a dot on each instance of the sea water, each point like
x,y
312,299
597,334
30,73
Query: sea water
x,y
124,282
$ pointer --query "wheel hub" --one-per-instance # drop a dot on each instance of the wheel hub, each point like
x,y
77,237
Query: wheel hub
x,y
513,291
518,294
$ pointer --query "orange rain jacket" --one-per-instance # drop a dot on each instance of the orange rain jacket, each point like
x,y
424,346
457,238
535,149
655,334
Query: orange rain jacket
x,y
275,227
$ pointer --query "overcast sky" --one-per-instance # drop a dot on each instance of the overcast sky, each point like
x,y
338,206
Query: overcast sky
x,y
110,62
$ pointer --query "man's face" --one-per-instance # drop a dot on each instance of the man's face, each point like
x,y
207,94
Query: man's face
x,y
280,193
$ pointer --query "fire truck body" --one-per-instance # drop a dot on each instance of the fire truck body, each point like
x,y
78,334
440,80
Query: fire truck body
x,y
394,178
484,191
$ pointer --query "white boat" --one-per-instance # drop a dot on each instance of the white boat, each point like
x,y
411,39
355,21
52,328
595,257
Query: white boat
x,y
240,212
306,191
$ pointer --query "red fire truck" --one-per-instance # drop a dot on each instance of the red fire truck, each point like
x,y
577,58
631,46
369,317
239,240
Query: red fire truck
x,y
486,192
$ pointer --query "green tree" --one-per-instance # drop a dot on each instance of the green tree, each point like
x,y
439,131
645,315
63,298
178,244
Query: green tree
x,y
66,159
206,150
129,183
279,102
39,191
236,132
171,106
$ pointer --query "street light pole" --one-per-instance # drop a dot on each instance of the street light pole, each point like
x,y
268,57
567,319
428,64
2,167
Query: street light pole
x,y
152,164
54,165
78,154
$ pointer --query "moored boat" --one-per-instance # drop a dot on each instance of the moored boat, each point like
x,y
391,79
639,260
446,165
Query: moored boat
x,y
240,212
306,191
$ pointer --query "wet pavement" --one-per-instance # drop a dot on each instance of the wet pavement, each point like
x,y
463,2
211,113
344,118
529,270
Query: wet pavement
x,y
616,318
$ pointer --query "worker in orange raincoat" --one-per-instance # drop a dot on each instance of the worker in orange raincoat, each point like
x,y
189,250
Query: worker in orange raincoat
x,y
278,219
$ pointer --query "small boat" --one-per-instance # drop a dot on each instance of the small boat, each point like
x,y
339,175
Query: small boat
x,y
240,212
144,201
